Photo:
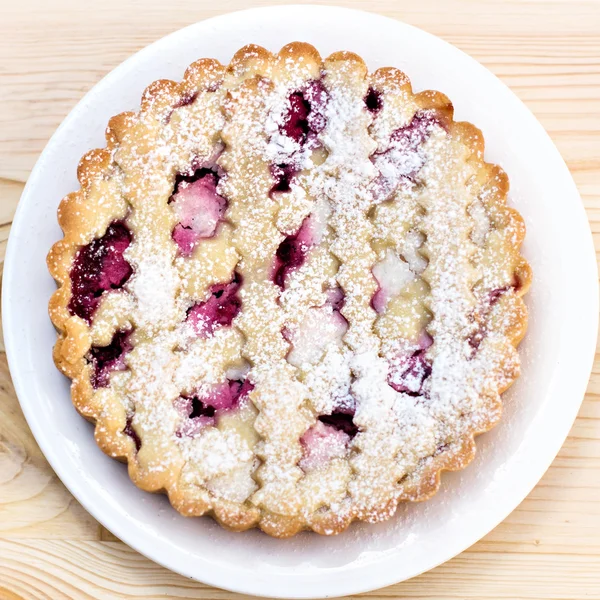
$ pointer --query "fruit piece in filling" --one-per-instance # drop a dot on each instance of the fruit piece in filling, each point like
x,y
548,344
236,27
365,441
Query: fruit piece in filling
x,y
97,268
131,432
199,209
293,250
204,407
305,116
487,305
106,359
409,371
222,306
328,438
303,120
373,100
403,158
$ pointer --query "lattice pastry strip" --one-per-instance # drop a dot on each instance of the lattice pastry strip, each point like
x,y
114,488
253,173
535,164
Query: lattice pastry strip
x,y
250,185
290,292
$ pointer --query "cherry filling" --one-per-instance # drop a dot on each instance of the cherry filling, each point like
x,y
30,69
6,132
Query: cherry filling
x,y
303,121
305,116
219,310
199,208
493,296
402,160
185,100
130,431
203,410
327,439
496,294
99,267
373,100
341,421
199,409
282,174
336,299
295,125
292,251
106,359
411,136
408,373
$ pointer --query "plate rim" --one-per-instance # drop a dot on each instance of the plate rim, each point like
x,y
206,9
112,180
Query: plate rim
x,y
104,517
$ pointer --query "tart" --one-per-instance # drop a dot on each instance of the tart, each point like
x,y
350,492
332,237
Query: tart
x,y
289,291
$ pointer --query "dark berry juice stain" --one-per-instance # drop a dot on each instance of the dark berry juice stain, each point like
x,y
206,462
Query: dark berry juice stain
x,y
97,268
205,410
185,100
304,120
199,409
292,251
106,359
219,310
412,374
282,174
411,136
341,421
130,431
290,255
296,122
336,298
192,176
373,100
492,298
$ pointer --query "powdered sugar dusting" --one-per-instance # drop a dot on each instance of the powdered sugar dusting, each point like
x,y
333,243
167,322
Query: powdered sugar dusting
x,y
322,301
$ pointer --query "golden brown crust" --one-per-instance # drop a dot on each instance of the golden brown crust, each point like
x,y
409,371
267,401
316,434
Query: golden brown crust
x,y
82,221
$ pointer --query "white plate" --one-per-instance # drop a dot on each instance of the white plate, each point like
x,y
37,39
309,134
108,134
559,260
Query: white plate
x,y
540,408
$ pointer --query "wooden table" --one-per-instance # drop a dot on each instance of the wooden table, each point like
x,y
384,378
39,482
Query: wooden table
x,y
53,51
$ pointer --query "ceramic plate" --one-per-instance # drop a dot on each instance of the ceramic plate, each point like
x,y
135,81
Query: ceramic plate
x,y
557,352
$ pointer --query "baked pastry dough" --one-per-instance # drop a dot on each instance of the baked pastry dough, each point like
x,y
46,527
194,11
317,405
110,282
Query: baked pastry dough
x,y
290,291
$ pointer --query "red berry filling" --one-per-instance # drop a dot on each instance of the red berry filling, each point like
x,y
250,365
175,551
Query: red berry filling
x,y
292,251
303,121
408,373
306,114
373,100
324,442
203,410
185,100
336,299
106,359
99,267
282,174
199,209
295,125
411,136
492,298
219,310
341,421
402,160
130,431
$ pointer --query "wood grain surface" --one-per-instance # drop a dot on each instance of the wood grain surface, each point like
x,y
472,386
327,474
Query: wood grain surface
x,y
53,51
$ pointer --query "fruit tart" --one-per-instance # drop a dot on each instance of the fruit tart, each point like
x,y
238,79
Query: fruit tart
x,y
289,291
